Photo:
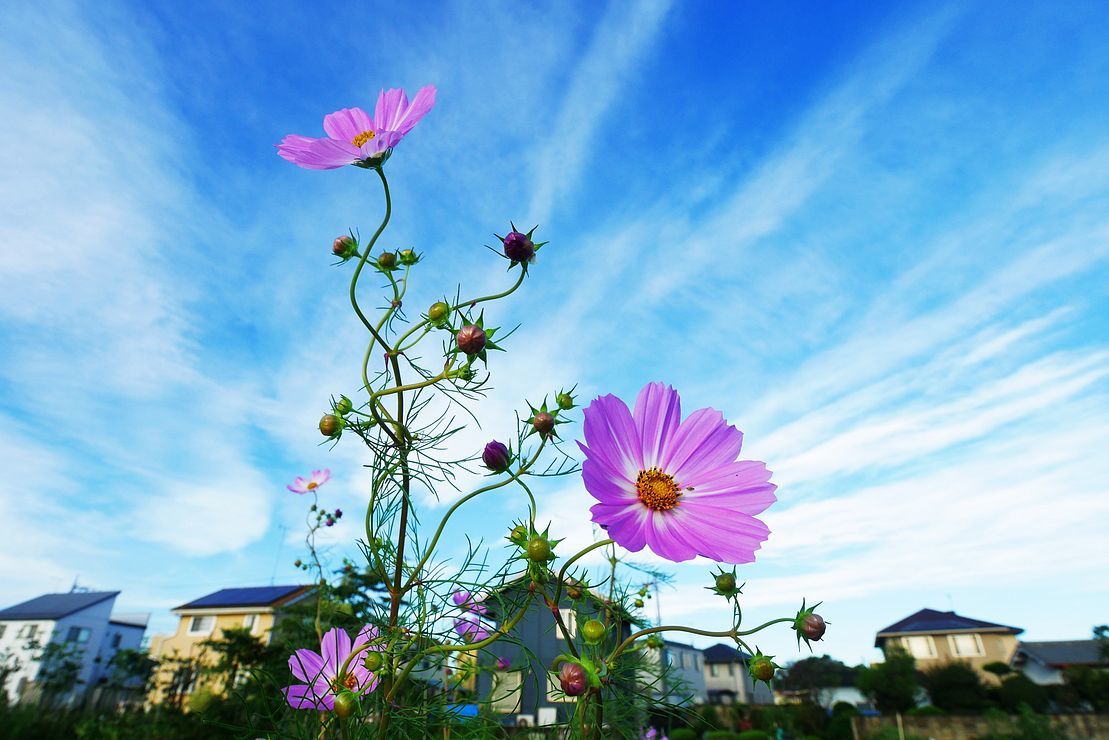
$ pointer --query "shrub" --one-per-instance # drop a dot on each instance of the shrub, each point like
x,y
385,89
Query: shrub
x,y
751,735
1017,690
929,710
719,735
682,733
956,687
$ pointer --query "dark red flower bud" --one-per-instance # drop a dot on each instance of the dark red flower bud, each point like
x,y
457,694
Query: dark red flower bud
x,y
813,627
387,260
470,339
496,456
338,513
344,247
572,679
544,423
517,247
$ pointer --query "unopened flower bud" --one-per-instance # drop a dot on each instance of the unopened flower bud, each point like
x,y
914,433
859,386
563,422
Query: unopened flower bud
x,y
408,257
438,312
330,425
346,704
543,423
517,247
572,679
725,583
813,627
565,401
539,550
518,535
330,522
470,339
639,603
343,406
762,668
593,631
387,260
373,661
297,562
344,247
338,513
656,642
496,456
574,590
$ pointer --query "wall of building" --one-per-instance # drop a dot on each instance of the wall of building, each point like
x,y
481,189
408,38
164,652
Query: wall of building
x,y
997,648
688,666
130,638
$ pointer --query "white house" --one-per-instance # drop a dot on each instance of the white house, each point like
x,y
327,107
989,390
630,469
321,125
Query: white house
x,y
81,620
1044,662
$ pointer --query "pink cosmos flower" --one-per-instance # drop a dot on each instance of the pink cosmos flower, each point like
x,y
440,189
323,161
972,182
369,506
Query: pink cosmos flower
x,y
466,600
674,486
322,672
354,137
314,481
470,629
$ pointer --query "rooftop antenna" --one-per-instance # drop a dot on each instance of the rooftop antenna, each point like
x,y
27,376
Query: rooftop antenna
x,y
280,544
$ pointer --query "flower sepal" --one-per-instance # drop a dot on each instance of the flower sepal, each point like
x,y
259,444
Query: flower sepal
x,y
724,584
809,625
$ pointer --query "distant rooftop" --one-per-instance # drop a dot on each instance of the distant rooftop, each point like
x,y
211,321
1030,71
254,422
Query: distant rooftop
x,y
927,621
56,606
255,596
1063,653
130,620
721,653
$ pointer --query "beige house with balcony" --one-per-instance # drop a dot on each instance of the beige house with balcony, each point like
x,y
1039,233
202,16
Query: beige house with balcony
x,y
256,609
934,638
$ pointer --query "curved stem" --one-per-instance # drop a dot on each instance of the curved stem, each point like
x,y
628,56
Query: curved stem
x,y
366,255
577,556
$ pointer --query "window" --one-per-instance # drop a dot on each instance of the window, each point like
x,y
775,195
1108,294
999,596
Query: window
x,y
28,630
116,639
3,629
78,634
714,670
966,646
554,689
920,646
249,621
685,660
570,619
505,694
202,625
731,669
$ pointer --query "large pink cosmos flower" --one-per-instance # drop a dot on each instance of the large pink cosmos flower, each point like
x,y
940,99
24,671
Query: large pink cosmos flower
x,y
307,485
353,137
323,673
674,486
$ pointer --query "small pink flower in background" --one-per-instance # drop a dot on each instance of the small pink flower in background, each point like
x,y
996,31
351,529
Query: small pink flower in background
x,y
314,481
503,664
470,629
354,137
466,600
320,671
673,485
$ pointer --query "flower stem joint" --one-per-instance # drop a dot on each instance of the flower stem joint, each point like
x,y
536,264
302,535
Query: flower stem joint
x,y
809,625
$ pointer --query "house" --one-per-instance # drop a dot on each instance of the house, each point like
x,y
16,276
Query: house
x,y
687,672
525,693
257,609
727,680
1044,662
934,638
81,626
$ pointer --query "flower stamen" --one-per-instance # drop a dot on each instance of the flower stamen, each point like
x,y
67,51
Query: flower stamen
x,y
349,681
657,490
362,138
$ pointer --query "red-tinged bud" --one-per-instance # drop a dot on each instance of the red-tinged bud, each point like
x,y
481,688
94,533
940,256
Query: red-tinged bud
x,y
572,679
387,260
344,247
543,423
813,627
330,522
470,339
517,247
574,590
762,669
496,456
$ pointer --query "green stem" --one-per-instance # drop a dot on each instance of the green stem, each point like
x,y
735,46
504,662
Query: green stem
x,y
577,556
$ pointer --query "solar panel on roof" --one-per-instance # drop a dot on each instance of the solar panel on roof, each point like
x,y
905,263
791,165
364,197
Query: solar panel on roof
x,y
255,596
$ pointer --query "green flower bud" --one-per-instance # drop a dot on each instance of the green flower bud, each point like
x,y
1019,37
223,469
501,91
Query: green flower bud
x,y
639,603
593,631
408,257
346,704
539,550
387,260
565,401
373,661
438,312
725,582
343,406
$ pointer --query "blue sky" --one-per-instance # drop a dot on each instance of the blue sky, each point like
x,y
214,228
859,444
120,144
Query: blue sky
x,y
876,238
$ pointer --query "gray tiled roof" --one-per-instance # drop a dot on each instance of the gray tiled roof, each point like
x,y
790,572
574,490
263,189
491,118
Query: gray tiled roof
x,y
930,620
1065,652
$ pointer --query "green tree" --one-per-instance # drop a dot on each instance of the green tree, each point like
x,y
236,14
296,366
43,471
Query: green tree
x,y
237,653
956,687
891,685
1090,685
812,674
9,664
1019,689
131,668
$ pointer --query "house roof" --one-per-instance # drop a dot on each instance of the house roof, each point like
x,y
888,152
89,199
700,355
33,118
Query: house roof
x,y
56,606
682,645
253,596
721,653
930,621
130,620
1064,653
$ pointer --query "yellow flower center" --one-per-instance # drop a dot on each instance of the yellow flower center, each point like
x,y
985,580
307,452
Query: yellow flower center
x,y
349,681
312,484
657,490
362,138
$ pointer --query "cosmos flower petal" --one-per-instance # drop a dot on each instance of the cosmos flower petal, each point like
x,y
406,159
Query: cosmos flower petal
x,y
703,441
604,486
347,123
306,665
300,696
657,414
335,647
610,434
366,634
421,104
750,501
329,154
666,538
391,105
